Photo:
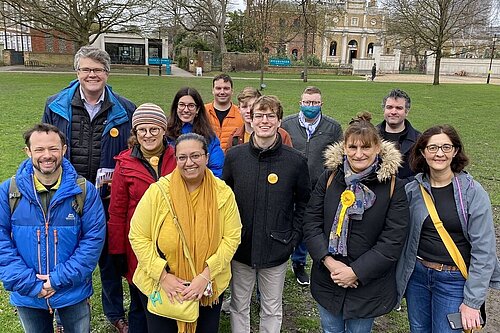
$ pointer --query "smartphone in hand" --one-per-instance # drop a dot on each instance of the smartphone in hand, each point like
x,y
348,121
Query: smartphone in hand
x,y
455,320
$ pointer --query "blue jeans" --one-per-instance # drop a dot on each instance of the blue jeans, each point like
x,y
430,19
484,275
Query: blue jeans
x,y
75,318
430,296
300,254
112,289
336,324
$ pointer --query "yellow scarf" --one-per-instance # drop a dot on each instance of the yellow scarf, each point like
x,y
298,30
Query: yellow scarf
x,y
200,225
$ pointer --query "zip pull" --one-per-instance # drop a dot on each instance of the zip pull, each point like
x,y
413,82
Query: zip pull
x,y
38,234
55,246
46,228
51,311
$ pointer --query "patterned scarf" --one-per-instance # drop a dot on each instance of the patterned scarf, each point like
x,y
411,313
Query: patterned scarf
x,y
365,198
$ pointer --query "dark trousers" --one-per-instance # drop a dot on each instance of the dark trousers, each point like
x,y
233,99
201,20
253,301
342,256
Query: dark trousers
x,y
112,290
137,313
208,321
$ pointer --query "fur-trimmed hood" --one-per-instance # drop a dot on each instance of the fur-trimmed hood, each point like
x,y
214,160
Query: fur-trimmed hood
x,y
389,154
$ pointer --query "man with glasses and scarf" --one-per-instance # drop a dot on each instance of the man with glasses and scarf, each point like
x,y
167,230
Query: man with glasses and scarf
x,y
97,123
311,132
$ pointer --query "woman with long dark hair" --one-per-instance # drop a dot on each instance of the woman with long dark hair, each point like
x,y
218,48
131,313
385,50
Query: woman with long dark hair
x,y
188,115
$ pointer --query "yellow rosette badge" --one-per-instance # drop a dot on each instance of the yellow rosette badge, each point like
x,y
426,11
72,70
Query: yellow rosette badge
x,y
347,199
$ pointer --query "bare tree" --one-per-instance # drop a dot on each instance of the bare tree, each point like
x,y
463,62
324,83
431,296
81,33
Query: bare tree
x,y
272,24
201,16
316,18
260,14
436,22
77,20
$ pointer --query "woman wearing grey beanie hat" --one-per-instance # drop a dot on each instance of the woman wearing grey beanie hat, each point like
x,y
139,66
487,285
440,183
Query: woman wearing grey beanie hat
x,y
148,158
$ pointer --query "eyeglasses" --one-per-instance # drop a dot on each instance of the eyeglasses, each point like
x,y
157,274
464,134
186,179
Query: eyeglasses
x,y
309,103
195,157
190,106
143,131
446,148
269,116
97,71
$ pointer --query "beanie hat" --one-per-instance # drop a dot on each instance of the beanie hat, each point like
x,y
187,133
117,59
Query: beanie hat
x,y
149,113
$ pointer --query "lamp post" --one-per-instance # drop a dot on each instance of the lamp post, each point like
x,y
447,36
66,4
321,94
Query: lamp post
x,y
491,58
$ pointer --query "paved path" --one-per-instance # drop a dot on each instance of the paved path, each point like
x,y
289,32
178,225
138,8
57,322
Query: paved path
x,y
176,71
413,78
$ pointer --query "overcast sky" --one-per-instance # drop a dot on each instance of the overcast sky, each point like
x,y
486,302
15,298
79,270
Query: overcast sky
x,y
237,4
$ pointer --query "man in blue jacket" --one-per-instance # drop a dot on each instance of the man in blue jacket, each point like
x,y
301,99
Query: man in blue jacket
x,y
49,246
97,123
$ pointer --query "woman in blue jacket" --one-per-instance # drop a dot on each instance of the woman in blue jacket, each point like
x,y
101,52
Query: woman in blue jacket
x,y
188,115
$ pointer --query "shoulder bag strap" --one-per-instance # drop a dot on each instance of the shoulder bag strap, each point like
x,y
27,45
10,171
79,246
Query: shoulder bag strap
x,y
330,178
445,236
179,229
393,185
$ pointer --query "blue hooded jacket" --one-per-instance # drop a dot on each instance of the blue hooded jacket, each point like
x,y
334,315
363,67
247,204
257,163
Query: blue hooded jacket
x,y
58,112
61,243
215,153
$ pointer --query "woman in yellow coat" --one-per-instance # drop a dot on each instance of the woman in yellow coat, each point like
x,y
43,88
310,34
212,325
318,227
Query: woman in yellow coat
x,y
208,216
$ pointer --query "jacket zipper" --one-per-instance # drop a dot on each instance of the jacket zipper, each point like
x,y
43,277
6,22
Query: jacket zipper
x,y
39,250
55,246
47,249
46,237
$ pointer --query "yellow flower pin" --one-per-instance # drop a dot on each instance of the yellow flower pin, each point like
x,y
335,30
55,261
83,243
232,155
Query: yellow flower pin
x,y
347,199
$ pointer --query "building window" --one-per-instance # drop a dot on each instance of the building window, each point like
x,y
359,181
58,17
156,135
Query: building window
x,y
370,50
295,54
333,48
353,50
354,21
126,53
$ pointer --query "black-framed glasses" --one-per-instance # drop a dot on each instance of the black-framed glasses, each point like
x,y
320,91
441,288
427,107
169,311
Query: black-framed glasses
x,y
154,131
446,148
190,106
87,70
269,116
311,103
194,157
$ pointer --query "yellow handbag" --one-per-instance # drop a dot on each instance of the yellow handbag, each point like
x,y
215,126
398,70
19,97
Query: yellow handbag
x,y
158,302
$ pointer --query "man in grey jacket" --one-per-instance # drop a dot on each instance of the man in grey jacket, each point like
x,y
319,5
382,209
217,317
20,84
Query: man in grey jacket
x,y
311,132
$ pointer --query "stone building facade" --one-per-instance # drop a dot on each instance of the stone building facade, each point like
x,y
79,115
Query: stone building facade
x,y
354,32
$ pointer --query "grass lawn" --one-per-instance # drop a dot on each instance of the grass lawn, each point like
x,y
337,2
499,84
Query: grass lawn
x,y
473,109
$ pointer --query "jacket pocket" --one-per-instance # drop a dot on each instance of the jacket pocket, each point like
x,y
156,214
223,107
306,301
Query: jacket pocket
x,y
281,245
284,237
